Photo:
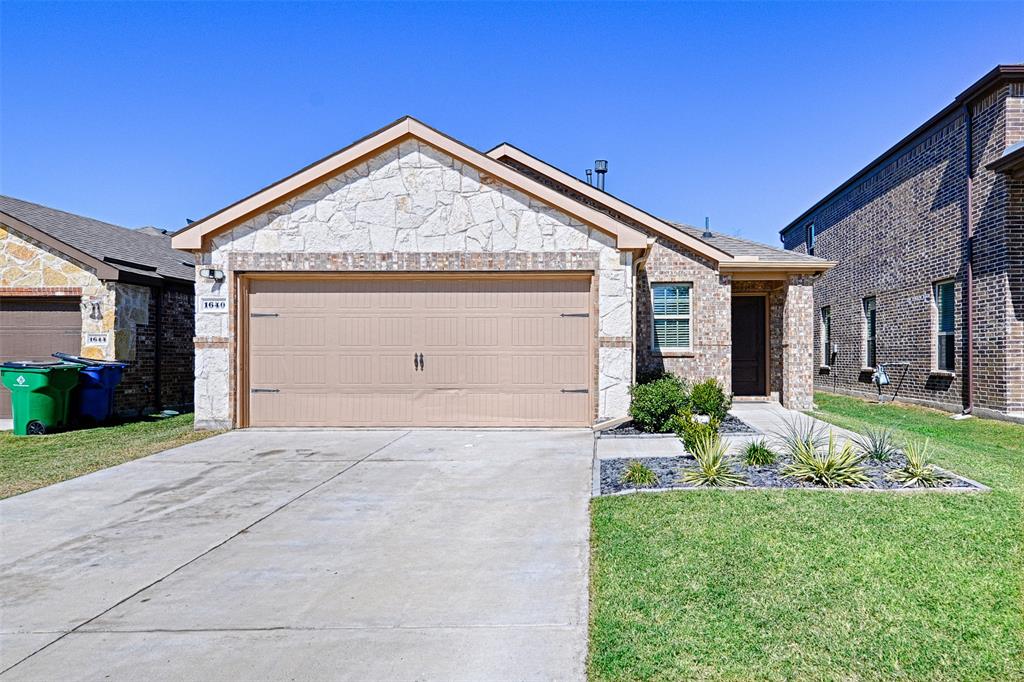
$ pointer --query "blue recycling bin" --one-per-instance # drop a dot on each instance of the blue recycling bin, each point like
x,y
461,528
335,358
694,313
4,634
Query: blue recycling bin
x,y
92,401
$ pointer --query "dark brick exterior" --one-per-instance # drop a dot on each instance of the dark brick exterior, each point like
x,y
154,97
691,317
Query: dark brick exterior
x,y
137,392
903,227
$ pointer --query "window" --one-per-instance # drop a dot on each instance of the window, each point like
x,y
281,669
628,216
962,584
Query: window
x,y
871,359
809,237
945,304
826,335
671,320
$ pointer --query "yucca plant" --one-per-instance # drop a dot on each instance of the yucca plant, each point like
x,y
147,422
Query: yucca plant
x,y
712,468
831,466
917,472
758,454
639,475
802,436
877,444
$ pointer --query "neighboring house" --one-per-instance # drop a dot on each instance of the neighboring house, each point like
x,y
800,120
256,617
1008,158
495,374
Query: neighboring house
x,y
411,280
922,279
81,286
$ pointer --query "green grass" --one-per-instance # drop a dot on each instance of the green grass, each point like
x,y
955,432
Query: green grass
x,y
30,462
808,585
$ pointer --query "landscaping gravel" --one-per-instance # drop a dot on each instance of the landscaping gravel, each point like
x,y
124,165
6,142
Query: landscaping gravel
x,y
730,426
668,470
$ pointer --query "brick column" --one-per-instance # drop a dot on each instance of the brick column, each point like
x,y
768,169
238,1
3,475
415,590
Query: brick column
x,y
798,344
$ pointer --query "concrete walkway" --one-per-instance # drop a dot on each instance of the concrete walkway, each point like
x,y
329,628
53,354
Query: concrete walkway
x,y
362,555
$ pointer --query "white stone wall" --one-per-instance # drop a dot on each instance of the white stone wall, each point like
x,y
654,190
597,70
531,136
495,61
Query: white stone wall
x,y
413,198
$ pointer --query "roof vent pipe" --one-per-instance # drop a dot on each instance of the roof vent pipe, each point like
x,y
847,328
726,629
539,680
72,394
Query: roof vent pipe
x,y
590,177
600,167
707,228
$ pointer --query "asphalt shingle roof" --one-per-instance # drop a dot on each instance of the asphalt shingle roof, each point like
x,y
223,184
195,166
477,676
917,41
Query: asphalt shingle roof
x,y
105,241
738,246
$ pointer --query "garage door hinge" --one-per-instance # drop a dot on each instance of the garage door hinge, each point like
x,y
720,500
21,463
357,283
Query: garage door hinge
x,y
264,390
575,315
262,314
575,390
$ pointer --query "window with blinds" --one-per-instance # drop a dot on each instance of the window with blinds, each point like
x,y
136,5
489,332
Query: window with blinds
x,y
826,335
870,316
671,316
945,304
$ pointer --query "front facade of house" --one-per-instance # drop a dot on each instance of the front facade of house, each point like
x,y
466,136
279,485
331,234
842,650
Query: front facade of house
x,y
66,286
409,280
937,221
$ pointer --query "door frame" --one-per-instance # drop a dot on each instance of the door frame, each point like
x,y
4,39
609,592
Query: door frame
x,y
767,340
239,294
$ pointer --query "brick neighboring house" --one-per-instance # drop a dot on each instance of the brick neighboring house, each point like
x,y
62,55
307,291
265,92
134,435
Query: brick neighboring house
x,y
929,239
410,280
82,286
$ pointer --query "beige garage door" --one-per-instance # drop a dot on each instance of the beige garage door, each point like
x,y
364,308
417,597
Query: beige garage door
x,y
484,351
32,328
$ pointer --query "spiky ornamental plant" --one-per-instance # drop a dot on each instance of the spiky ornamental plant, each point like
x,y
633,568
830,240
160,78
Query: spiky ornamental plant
x,y
831,467
713,469
877,444
639,475
918,473
758,454
802,436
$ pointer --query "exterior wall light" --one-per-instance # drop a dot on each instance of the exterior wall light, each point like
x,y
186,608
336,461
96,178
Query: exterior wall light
x,y
212,273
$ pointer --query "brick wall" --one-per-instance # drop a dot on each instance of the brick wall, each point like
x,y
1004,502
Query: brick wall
x,y
897,232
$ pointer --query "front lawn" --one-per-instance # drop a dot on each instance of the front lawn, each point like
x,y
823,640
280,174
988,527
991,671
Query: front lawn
x,y
30,462
810,585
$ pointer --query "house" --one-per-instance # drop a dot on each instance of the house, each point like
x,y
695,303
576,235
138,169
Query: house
x,y
409,279
82,286
930,243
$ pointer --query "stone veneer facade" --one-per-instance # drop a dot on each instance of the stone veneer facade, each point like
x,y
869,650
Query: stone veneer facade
x,y
123,312
412,208
902,228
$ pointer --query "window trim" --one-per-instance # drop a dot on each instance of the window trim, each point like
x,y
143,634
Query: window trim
x,y
870,334
938,333
655,348
826,338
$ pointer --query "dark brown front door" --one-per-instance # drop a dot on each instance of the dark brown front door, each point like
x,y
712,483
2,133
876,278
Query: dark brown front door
x,y
748,344
32,328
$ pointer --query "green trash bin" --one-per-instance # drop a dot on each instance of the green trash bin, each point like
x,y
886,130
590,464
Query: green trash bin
x,y
40,394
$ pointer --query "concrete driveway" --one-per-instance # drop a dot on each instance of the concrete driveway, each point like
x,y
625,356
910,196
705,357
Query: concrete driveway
x,y
364,555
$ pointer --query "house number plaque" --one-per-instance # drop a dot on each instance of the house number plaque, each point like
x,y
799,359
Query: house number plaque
x,y
213,304
96,339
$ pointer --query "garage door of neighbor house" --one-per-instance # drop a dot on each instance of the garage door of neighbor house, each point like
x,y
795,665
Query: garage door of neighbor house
x,y
32,328
431,351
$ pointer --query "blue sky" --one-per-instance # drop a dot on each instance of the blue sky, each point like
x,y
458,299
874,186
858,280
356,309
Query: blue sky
x,y
151,113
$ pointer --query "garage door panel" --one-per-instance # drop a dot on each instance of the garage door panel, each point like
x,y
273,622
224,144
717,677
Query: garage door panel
x,y
508,366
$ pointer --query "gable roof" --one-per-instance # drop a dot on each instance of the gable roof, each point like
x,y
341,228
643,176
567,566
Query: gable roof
x,y
192,236
751,255
114,252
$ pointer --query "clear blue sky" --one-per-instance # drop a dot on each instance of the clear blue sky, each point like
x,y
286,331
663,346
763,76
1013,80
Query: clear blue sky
x,y
152,113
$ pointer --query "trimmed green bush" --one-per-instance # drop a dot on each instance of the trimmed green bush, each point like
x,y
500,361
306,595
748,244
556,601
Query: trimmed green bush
x,y
758,454
653,404
690,430
709,398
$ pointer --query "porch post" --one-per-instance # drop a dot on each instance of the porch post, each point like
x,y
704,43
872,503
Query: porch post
x,y
798,344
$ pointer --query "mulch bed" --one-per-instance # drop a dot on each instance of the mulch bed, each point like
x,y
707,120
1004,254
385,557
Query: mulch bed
x,y
668,470
731,426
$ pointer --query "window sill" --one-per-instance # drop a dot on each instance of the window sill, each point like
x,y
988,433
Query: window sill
x,y
673,353
827,368
942,373
867,369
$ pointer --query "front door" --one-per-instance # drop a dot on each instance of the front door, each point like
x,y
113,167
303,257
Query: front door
x,y
748,345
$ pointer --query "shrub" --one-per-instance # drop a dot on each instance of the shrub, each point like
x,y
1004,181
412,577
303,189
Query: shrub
x,y
918,473
877,444
712,468
802,436
654,403
833,467
639,476
708,398
758,454
689,429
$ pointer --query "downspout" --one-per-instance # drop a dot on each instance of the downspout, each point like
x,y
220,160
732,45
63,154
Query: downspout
x,y
157,388
969,298
638,265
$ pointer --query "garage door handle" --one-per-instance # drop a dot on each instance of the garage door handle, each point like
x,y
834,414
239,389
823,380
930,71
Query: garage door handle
x,y
264,390
575,315
575,390
262,314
